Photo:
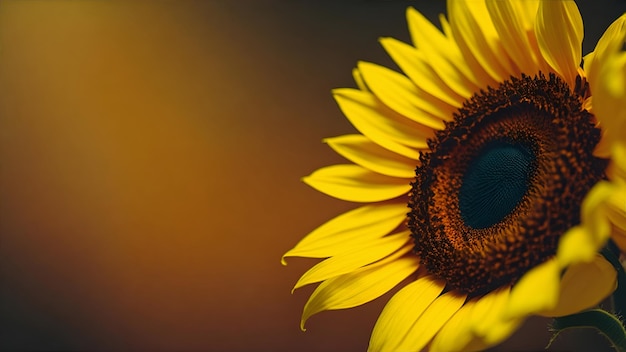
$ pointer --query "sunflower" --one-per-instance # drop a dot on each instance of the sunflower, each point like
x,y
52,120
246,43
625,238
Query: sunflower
x,y
490,172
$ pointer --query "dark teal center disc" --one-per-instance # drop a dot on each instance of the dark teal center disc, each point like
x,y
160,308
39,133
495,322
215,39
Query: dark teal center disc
x,y
495,182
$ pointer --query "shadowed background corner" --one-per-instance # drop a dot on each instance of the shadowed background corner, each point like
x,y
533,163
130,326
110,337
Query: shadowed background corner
x,y
150,162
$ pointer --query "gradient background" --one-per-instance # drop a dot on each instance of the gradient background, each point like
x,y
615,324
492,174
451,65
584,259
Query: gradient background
x,y
150,157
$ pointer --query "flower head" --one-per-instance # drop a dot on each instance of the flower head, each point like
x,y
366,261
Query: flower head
x,y
510,159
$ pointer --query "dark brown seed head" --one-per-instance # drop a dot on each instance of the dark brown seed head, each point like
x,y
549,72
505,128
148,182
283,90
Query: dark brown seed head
x,y
503,181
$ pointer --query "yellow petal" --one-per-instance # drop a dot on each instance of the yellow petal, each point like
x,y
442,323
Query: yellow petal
x,y
431,321
349,261
559,29
456,334
616,205
478,41
607,80
502,331
510,27
488,320
442,52
576,245
489,310
401,312
524,298
593,212
587,62
358,79
608,43
526,11
350,230
401,95
360,286
415,66
356,184
617,166
382,125
583,286
362,151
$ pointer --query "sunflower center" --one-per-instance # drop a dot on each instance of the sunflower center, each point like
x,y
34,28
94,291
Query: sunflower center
x,y
503,181
495,183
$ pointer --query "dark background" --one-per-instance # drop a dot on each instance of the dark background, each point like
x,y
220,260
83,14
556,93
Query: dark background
x,y
150,163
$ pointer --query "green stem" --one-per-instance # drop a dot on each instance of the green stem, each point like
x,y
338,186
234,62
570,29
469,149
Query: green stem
x,y
608,324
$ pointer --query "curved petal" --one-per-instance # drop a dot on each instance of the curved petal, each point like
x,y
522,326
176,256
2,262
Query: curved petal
x,y
350,230
356,184
617,167
576,245
401,312
362,151
431,321
360,286
401,95
559,29
616,205
442,52
478,41
583,286
526,11
414,65
349,261
510,27
611,38
456,334
382,125
607,80
488,321
358,79
524,299
593,212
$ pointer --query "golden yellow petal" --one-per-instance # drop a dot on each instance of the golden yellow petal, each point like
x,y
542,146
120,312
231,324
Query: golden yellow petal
x,y
358,79
360,286
559,29
612,37
576,245
431,321
356,184
456,334
349,261
607,80
442,53
478,41
362,151
617,167
382,125
583,286
350,230
508,23
401,313
587,62
401,95
502,331
616,205
524,299
413,63
526,11
593,212
489,322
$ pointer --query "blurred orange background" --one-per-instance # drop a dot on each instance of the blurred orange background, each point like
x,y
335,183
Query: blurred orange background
x,y
150,162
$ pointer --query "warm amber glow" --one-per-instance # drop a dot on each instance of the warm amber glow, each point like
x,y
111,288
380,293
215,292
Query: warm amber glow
x,y
150,163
